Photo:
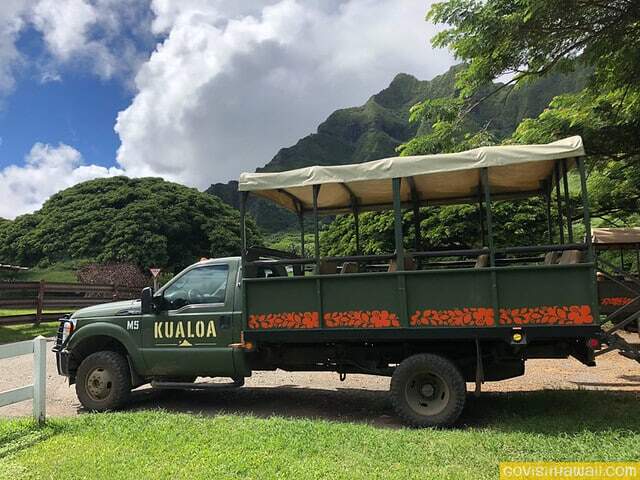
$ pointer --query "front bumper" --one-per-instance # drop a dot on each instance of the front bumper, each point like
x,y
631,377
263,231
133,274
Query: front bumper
x,y
62,363
63,357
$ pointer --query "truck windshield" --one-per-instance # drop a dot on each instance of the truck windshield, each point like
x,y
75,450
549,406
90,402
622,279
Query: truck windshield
x,y
200,285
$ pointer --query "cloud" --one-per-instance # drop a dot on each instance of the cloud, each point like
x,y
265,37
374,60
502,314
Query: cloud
x,y
11,23
226,86
110,38
234,81
47,170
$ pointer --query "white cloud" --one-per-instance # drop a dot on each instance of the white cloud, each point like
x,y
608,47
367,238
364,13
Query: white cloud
x,y
47,170
102,33
235,81
11,23
227,86
107,37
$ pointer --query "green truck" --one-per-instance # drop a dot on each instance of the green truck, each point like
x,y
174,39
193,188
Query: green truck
x,y
431,319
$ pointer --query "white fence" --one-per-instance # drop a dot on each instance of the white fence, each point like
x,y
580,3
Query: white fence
x,y
36,391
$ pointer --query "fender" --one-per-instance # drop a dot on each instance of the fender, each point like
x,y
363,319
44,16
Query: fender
x,y
114,331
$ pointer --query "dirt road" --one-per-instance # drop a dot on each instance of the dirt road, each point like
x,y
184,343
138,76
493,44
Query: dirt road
x,y
358,398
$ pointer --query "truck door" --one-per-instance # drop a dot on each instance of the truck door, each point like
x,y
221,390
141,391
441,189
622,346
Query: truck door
x,y
191,332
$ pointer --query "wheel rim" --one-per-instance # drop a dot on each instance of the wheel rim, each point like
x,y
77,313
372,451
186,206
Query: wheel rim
x,y
427,393
98,384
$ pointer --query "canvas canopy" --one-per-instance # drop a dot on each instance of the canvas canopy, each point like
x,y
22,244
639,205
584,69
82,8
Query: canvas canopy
x,y
433,179
613,237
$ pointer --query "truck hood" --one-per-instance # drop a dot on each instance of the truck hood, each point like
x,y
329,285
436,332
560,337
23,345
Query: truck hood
x,y
125,307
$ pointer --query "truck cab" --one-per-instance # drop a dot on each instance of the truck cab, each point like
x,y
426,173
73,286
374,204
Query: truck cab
x,y
184,330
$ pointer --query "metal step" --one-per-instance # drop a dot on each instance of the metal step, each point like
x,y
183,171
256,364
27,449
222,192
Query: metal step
x,y
198,386
616,342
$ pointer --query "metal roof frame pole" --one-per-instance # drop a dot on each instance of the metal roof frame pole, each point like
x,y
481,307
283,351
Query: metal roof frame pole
x,y
415,201
316,227
397,214
483,240
484,181
243,226
567,199
586,213
547,200
356,221
301,220
556,175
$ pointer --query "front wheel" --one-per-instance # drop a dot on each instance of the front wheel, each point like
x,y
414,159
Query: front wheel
x,y
103,381
428,391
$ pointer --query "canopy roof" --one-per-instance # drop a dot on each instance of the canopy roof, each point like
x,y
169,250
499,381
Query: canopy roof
x,y
435,179
616,237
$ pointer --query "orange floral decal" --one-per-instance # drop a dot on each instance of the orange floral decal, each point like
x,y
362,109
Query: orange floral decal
x,y
285,320
616,301
569,315
474,317
362,319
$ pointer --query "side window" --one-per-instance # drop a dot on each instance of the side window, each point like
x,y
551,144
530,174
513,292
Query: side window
x,y
200,285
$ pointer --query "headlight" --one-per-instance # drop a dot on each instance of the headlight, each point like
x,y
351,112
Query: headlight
x,y
68,328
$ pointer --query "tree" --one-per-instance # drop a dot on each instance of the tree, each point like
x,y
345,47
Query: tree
x,y
531,38
455,226
147,221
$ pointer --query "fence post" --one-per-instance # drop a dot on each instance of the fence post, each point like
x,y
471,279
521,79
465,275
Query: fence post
x,y
39,378
40,302
115,291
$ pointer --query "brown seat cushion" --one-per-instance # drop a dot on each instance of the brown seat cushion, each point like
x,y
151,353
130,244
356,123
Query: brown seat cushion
x,y
570,257
349,267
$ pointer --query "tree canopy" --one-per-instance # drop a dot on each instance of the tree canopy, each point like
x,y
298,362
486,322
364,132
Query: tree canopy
x,y
528,40
147,221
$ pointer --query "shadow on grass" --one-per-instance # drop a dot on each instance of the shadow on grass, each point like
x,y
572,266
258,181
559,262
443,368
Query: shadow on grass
x,y
546,411
25,437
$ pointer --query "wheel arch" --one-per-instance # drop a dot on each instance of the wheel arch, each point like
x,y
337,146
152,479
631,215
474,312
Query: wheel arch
x,y
105,336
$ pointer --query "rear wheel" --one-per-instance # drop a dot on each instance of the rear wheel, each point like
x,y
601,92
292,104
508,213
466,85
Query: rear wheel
x,y
103,381
427,391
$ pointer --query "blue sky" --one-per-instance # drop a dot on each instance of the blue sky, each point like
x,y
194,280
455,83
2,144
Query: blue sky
x,y
194,91
78,111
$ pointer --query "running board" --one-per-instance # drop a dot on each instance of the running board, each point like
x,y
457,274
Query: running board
x,y
198,386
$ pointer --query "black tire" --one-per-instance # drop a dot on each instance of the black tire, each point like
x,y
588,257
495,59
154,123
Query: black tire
x,y
428,391
103,381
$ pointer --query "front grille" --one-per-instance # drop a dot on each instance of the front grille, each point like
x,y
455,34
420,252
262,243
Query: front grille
x,y
58,345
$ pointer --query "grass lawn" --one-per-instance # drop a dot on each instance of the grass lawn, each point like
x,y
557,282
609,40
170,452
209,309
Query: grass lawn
x,y
553,426
17,333
59,273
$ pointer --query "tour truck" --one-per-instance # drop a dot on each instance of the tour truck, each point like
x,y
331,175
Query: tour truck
x,y
431,319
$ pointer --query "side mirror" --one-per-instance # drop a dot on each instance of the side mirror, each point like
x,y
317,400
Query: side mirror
x,y
146,301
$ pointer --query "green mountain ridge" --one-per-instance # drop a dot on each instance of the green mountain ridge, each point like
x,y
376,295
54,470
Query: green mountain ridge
x,y
374,130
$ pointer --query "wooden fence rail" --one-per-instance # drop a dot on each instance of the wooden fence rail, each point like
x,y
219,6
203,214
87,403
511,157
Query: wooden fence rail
x,y
59,297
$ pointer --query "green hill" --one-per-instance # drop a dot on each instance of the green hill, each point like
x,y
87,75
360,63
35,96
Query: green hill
x,y
147,221
375,129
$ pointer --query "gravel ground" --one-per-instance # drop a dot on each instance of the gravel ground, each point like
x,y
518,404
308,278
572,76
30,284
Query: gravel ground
x,y
359,397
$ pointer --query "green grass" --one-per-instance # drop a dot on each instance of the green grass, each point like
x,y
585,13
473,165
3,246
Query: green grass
x,y
552,426
18,333
64,272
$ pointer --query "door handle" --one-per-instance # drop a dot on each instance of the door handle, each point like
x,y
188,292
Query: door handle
x,y
225,322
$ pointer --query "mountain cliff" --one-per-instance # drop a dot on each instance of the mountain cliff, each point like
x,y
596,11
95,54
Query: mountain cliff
x,y
375,129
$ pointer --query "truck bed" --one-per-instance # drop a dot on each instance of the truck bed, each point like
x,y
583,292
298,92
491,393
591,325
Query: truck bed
x,y
545,301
